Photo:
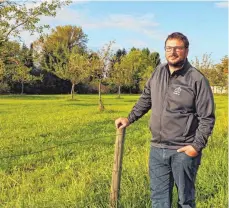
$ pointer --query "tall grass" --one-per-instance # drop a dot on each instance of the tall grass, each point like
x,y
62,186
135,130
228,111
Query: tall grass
x,y
75,168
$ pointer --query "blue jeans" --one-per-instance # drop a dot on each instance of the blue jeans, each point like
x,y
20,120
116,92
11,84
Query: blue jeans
x,y
167,166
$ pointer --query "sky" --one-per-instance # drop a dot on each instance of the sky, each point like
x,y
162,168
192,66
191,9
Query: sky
x,y
142,24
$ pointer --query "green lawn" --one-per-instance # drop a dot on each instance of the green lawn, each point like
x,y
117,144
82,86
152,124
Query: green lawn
x,y
76,167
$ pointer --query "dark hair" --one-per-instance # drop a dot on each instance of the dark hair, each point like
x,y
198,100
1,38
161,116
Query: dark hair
x,y
180,36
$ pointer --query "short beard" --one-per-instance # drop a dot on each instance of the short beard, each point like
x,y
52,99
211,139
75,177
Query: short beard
x,y
177,64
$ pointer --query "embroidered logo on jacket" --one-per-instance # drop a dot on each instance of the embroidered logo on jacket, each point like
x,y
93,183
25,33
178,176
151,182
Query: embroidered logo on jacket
x,y
177,91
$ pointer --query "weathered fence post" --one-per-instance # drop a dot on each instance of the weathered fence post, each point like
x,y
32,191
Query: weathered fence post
x,y
117,167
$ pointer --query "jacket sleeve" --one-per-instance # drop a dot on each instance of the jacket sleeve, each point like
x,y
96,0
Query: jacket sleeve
x,y
205,110
143,105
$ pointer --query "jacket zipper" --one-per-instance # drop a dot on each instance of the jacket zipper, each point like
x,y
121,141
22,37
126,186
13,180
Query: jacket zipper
x,y
163,105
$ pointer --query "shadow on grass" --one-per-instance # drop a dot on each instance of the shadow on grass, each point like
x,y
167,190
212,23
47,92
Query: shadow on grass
x,y
130,101
96,107
80,104
33,97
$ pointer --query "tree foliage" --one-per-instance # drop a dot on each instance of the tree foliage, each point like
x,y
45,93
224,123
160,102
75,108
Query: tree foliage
x,y
116,70
59,51
22,75
18,63
69,36
9,51
71,65
17,16
222,73
131,64
59,43
215,73
206,66
100,62
148,64
2,70
134,68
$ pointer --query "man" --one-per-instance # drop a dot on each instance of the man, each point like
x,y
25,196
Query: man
x,y
181,121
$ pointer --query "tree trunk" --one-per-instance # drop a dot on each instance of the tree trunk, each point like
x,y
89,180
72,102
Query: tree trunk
x,y
130,90
101,106
100,99
22,87
119,91
72,90
221,90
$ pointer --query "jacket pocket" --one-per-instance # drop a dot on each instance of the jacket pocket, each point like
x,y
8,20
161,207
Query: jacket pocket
x,y
191,125
154,124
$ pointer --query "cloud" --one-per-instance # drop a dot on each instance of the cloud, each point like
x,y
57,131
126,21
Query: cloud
x,y
223,4
82,17
124,21
155,34
137,43
73,15
33,4
144,24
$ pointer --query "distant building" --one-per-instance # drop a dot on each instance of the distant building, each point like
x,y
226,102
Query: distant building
x,y
219,90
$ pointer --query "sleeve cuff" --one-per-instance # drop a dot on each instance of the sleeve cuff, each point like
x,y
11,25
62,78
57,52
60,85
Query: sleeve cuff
x,y
196,147
130,120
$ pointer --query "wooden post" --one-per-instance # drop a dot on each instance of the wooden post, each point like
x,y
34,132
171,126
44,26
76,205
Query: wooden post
x,y
117,167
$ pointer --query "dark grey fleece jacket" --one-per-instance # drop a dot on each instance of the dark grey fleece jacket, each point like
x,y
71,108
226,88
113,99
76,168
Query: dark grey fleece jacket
x,y
182,107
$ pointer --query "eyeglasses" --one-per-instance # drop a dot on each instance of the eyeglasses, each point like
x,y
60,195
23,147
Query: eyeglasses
x,y
177,48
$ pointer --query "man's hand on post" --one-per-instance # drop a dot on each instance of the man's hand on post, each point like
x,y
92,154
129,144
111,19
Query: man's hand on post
x,y
121,123
188,150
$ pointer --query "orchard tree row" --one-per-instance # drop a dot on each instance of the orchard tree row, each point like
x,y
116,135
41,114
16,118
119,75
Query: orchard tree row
x,y
61,62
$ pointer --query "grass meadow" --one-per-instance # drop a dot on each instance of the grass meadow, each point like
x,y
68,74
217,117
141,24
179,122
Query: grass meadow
x,y
56,152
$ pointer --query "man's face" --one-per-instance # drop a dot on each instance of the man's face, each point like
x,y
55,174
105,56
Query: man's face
x,y
175,52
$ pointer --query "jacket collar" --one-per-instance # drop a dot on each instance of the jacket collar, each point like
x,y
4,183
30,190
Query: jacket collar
x,y
181,71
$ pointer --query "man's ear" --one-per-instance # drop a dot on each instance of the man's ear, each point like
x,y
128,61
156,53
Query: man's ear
x,y
187,50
